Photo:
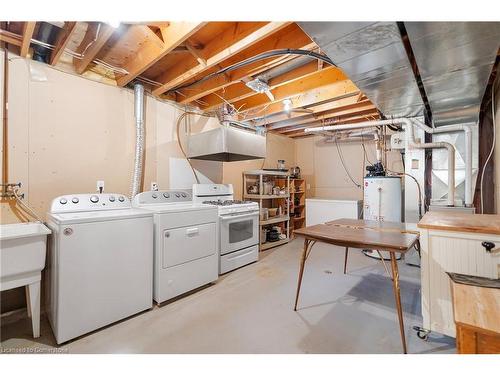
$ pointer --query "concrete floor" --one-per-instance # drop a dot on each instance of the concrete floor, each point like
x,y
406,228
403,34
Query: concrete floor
x,y
251,311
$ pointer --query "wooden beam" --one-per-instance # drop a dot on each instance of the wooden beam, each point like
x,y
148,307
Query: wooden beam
x,y
173,35
291,37
28,29
315,108
95,41
196,52
11,38
345,118
62,40
306,99
339,111
240,91
301,133
214,55
313,81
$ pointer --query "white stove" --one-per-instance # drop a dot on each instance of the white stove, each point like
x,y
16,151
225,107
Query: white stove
x,y
185,242
238,225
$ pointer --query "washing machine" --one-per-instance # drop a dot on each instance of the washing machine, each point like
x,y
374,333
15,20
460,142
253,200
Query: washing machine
x,y
186,254
100,262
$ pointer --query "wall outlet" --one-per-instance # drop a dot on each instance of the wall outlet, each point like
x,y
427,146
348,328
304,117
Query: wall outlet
x,y
154,186
100,186
308,186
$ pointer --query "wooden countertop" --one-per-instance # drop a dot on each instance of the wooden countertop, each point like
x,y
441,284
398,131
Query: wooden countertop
x,y
460,222
359,236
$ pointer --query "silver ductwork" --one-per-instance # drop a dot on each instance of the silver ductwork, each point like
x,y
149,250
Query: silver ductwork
x,y
226,143
373,56
139,139
455,60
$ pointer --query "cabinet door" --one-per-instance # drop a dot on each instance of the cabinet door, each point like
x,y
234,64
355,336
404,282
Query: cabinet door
x,y
450,253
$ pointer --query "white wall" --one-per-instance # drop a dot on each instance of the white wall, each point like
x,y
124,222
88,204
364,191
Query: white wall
x,y
67,132
321,166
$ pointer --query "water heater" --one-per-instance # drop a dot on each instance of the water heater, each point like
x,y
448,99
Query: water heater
x,y
382,201
382,198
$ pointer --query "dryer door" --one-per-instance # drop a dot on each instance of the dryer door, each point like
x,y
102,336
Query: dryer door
x,y
181,245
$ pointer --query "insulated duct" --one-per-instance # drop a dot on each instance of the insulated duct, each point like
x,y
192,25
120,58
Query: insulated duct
x,y
408,125
139,139
455,60
373,56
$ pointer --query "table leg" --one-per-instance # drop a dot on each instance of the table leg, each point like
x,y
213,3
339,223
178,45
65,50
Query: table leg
x,y
345,260
383,262
301,270
397,296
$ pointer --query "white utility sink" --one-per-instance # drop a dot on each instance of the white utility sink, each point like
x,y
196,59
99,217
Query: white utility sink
x,y
22,258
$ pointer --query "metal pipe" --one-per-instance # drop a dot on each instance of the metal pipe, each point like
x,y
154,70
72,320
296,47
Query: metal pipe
x,y
467,129
139,139
410,136
284,68
408,125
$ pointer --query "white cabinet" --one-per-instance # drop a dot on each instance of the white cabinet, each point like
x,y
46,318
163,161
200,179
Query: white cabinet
x,y
451,251
319,211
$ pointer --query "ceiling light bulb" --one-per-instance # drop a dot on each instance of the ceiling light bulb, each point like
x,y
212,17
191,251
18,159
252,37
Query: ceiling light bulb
x,y
114,24
287,105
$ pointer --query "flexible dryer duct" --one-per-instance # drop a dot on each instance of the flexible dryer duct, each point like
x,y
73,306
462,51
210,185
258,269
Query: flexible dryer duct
x,y
139,139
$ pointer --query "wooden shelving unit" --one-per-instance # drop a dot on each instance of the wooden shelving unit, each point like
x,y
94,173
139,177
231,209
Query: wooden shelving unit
x,y
298,204
282,180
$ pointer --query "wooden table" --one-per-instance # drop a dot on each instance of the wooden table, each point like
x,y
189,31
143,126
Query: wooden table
x,y
361,234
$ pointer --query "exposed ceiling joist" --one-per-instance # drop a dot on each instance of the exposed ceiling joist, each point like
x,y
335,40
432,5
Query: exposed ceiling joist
x,y
346,118
240,91
305,99
291,37
318,79
173,35
63,38
28,29
315,108
11,38
300,132
94,39
358,107
178,75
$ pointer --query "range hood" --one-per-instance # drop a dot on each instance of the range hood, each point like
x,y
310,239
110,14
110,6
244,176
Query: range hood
x,y
226,143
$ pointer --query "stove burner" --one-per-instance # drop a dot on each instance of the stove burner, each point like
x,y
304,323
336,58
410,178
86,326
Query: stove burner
x,y
228,202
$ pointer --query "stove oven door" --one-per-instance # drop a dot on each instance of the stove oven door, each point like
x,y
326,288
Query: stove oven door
x,y
238,231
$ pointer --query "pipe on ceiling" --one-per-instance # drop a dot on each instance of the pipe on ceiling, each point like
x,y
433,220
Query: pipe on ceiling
x,y
408,125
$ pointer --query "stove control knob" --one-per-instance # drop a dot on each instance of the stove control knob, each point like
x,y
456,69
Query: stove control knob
x,y
184,195
166,195
154,195
94,199
63,201
112,198
121,198
75,200
177,195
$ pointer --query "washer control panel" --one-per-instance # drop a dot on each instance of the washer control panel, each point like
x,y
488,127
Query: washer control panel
x,y
89,202
163,196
